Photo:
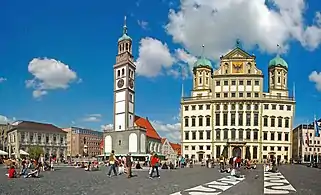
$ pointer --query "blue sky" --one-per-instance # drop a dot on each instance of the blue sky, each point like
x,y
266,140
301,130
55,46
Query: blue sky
x,y
47,36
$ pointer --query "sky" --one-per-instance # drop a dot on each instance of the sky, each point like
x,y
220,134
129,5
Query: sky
x,y
57,57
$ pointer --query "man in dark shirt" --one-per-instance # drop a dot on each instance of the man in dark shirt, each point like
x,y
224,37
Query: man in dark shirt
x,y
129,165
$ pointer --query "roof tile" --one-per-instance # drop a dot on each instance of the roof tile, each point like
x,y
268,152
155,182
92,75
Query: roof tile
x,y
150,131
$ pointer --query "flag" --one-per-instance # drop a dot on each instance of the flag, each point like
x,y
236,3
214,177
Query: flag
x,y
316,128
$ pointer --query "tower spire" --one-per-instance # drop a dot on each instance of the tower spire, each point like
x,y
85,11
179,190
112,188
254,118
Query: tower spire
x,y
203,50
278,50
125,26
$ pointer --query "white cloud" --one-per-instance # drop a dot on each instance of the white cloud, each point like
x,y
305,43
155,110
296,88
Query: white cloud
x,y
92,118
258,23
49,74
170,131
315,77
153,57
143,24
2,79
5,120
107,127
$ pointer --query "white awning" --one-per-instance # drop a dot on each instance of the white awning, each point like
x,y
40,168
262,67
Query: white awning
x,y
3,152
22,153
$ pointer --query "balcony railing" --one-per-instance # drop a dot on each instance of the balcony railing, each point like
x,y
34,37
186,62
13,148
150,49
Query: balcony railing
x,y
264,96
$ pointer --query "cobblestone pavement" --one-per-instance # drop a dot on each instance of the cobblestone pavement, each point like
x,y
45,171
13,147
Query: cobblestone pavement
x,y
292,179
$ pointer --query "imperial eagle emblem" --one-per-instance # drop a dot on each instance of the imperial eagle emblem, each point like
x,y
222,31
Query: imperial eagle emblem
x,y
238,67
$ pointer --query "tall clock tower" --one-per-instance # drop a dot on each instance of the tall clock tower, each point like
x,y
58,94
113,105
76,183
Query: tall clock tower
x,y
124,80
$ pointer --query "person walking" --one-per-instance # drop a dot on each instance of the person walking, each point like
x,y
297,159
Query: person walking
x,y
154,164
129,164
112,164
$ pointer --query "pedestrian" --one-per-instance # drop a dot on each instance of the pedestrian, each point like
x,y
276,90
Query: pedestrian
x,y
129,164
154,164
112,163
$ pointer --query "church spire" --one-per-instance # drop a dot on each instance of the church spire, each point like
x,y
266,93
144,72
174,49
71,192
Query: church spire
x,y
125,26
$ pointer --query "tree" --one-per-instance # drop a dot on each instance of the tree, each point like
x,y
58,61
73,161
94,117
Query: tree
x,y
35,152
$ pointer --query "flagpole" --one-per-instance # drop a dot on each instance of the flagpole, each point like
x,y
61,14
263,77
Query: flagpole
x,y
314,131
308,139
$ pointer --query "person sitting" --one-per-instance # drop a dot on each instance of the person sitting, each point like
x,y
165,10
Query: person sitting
x,y
12,172
24,168
164,166
34,173
171,165
138,166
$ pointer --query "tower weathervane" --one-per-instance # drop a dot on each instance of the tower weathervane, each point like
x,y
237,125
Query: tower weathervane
x,y
125,26
278,50
203,49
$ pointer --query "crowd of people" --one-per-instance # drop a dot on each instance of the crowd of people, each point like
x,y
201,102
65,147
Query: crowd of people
x,y
28,168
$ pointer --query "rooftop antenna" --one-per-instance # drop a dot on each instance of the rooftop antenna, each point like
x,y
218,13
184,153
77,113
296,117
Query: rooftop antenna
x,y
125,26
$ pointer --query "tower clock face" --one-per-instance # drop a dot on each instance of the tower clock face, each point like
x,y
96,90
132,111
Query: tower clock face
x,y
120,83
131,83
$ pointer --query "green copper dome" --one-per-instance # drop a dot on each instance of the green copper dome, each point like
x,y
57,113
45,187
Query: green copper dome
x,y
203,62
124,37
278,61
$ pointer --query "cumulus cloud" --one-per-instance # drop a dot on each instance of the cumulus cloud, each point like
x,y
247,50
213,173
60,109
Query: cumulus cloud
x,y
5,119
49,74
2,79
92,118
107,127
258,23
153,57
170,131
315,77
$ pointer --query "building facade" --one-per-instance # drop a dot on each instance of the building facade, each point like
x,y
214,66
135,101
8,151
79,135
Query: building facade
x,y
127,135
171,151
305,145
4,136
24,134
83,142
229,114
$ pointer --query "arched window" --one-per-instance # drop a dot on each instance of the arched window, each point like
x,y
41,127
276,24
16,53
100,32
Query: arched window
x,y
122,72
126,46
118,73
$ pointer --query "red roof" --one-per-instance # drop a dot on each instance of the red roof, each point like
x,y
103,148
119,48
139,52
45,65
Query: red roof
x,y
150,131
176,148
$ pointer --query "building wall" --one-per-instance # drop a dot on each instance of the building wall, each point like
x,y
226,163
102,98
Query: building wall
x,y
52,143
229,113
80,138
306,146
168,151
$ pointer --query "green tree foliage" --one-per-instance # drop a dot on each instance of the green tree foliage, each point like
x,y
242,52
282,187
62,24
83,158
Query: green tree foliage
x,y
35,152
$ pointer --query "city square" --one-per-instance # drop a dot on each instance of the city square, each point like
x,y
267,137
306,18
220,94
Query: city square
x,y
296,179
112,92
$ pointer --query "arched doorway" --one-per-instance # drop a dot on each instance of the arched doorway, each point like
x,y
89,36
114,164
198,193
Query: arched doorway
x,y
247,153
237,152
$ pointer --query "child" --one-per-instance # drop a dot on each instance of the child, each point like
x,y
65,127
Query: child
x,y
12,172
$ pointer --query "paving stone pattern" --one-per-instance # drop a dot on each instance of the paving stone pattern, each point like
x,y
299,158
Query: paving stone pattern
x,y
192,181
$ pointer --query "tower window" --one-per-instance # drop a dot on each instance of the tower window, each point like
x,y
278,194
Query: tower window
x,y
279,79
201,80
122,72
118,73
126,46
119,142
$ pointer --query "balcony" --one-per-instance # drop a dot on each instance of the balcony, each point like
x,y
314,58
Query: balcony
x,y
236,141
264,97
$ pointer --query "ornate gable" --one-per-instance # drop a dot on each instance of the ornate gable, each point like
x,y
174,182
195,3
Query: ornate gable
x,y
237,53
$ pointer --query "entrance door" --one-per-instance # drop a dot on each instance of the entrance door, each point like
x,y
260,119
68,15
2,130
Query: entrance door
x,y
200,157
237,152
